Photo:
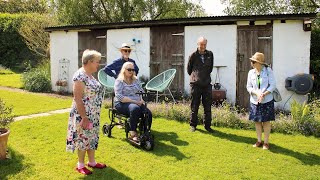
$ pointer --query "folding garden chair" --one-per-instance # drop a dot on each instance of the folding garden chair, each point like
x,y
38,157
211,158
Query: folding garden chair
x,y
106,81
162,82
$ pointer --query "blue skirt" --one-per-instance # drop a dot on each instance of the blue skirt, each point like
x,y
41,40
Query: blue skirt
x,y
262,112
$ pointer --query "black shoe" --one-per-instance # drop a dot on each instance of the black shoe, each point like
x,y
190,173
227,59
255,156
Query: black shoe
x,y
192,128
209,129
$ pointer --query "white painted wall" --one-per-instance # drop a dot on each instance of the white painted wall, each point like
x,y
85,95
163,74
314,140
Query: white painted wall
x,y
141,51
222,41
291,55
63,45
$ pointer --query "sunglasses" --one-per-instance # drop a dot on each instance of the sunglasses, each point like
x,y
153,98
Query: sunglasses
x,y
253,62
130,70
126,51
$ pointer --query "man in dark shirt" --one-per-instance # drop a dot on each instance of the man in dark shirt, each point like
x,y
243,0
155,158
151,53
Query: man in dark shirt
x,y
200,66
114,68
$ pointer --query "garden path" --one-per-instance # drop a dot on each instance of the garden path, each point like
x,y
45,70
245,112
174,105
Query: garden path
x,y
60,111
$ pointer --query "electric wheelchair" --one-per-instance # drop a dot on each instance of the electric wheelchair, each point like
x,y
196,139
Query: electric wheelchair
x,y
146,139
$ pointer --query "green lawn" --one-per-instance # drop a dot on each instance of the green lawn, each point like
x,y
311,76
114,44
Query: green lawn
x,y
25,103
11,80
37,148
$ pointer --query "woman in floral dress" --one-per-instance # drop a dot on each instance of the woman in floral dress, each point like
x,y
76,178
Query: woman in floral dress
x,y
84,120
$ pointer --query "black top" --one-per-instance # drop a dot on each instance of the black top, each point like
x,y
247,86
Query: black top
x,y
199,70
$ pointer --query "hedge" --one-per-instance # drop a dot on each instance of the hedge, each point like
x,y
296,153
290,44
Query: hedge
x,y
14,53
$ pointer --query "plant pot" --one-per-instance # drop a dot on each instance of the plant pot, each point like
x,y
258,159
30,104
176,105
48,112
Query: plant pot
x,y
3,143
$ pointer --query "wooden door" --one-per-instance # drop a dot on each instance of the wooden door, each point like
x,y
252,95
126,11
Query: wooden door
x,y
167,51
95,40
251,39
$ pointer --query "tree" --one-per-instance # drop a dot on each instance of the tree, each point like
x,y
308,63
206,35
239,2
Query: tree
x,y
104,11
257,7
23,6
32,30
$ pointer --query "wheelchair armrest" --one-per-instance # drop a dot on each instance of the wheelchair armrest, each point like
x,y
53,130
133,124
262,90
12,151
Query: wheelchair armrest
x,y
116,113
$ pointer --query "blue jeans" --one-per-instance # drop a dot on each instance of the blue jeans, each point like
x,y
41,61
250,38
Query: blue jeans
x,y
135,112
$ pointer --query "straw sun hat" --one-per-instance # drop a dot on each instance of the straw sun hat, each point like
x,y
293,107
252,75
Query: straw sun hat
x,y
259,58
125,46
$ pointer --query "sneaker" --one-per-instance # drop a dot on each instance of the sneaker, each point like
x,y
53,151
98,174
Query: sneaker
x,y
257,144
265,146
209,129
192,128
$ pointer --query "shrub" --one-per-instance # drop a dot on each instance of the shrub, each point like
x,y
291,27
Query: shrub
x,y
179,112
227,115
304,118
315,59
37,79
6,116
4,70
283,124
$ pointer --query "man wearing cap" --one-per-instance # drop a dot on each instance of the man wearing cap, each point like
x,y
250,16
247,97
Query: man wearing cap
x,y
114,68
200,66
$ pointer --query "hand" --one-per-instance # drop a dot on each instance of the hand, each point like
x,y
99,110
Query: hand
x,y
140,103
84,123
260,97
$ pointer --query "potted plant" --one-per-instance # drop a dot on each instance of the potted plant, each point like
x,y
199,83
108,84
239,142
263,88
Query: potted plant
x,y
6,118
62,83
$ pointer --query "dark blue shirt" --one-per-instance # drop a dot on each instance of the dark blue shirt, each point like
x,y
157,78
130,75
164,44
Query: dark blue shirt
x,y
114,68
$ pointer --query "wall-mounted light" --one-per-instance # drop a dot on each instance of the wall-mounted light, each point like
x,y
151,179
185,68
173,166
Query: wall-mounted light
x,y
307,25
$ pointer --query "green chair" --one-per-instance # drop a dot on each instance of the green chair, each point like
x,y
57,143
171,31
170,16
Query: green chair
x,y
106,81
162,82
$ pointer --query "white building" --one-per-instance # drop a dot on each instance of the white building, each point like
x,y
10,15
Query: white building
x,y
164,44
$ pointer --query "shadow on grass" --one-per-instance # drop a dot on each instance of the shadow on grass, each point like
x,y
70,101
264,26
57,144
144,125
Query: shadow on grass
x,y
13,165
107,173
308,158
163,149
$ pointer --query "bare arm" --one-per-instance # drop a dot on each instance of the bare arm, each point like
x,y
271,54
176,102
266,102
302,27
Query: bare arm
x,y
78,88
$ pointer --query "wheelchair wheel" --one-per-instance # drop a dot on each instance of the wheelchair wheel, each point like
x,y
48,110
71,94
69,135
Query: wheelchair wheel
x,y
147,142
148,145
106,129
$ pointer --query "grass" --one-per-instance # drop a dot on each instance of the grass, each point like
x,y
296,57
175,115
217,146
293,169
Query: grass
x,y
25,103
37,148
11,80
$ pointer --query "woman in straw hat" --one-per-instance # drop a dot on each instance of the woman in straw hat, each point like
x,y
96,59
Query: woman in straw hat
x,y
260,85
114,68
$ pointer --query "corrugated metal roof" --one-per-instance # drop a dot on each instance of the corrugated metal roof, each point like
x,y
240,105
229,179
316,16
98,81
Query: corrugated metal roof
x,y
184,21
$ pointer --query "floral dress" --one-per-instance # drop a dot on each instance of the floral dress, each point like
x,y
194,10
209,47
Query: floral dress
x,y
77,137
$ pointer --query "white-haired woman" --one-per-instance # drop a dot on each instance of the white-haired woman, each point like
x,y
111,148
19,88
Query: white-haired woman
x,y
260,85
84,120
127,101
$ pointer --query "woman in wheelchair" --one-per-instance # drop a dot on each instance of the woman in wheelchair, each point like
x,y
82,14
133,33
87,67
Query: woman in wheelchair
x,y
127,102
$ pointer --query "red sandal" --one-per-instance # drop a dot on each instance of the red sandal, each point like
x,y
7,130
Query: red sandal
x,y
84,171
98,166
